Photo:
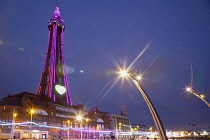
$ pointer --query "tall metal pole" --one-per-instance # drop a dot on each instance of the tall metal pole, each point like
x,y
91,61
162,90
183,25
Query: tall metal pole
x,y
13,121
116,132
156,118
189,89
32,111
68,128
11,136
81,129
14,114
87,127
68,132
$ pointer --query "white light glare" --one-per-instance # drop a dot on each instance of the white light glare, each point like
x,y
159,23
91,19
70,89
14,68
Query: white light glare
x,y
123,73
79,117
139,77
202,96
188,89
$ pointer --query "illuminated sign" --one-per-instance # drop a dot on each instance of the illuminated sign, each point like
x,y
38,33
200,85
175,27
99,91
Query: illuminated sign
x,y
60,89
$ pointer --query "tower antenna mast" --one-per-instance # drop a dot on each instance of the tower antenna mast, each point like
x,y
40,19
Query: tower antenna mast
x,y
56,4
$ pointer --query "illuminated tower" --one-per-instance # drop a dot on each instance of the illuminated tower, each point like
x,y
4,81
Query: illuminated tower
x,y
54,82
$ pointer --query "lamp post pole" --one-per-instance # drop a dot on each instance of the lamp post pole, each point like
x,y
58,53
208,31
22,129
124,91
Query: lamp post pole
x,y
190,90
32,111
14,114
87,126
79,119
120,125
81,129
156,118
68,122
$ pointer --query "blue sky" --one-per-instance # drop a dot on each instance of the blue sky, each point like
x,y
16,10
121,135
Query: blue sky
x,y
101,34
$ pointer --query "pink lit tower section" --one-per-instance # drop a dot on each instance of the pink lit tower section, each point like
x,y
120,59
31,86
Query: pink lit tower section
x,y
54,82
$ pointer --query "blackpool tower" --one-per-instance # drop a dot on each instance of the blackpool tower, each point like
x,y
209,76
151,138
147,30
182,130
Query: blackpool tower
x,y
54,82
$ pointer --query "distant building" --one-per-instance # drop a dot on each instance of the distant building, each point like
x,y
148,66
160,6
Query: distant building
x,y
124,110
138,127
119,123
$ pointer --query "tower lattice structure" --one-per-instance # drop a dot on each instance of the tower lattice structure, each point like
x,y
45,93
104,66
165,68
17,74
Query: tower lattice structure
x,y
54,82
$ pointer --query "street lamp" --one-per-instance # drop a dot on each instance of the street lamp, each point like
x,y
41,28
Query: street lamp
x,y
150,129
156,118
79,118
68,122
87,121
31,112
14,115
201,96
120,126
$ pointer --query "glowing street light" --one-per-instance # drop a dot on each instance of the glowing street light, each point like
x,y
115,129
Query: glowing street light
x,y
87,121
201,96
68,122
139,77
188,89
151,129
135,78
31,112
79,118
120,127
123,73
14,115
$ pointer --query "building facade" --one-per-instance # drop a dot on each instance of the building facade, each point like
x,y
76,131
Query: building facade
x,y
28,115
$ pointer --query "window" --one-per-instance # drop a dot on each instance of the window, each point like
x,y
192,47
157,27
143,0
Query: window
x,y
100,120
40,112
39,119
33,119
45,120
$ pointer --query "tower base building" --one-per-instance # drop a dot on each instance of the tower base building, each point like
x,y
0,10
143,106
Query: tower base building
x,y
28,115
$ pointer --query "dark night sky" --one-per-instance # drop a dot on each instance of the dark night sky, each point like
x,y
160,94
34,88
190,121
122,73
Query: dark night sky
x,y
101,34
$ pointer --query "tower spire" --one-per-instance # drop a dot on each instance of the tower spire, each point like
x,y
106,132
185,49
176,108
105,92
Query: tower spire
x,y
54,82
57,12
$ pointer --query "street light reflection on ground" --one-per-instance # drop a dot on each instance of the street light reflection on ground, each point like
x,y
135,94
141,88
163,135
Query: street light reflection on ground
x,y
135,79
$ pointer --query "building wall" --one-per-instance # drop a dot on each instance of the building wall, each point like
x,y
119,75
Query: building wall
x,y
59,117
119,122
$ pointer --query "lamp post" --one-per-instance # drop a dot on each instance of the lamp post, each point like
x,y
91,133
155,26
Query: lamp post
x,y
156,118
120,126
14,114
150,129
31,112
201,96
68,122
79,118
87,121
